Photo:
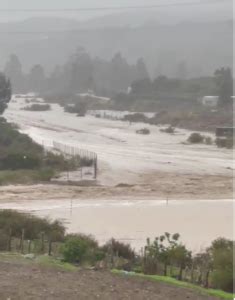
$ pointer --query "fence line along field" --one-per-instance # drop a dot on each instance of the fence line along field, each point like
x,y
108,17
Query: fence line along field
x,y
85,157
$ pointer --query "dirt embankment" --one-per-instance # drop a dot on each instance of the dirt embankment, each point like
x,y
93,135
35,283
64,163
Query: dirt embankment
x,y
25,282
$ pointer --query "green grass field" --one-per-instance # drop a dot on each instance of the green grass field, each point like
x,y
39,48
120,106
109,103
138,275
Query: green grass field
x,y
169,280
42,260
25,176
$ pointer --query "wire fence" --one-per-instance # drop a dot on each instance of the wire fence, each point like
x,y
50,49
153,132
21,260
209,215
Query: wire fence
x,y
86,157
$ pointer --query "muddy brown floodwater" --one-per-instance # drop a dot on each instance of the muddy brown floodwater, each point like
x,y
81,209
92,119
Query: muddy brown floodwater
x,y
133,220
147,185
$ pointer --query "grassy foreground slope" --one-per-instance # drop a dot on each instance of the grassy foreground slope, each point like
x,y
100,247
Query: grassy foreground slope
x,y
24,279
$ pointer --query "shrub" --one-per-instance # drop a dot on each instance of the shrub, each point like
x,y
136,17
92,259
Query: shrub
x,y
119,249
33,226
79,248
196,138
79,108
38,107
223,279
222,254
17,161
144,131
3,240
137,117
208,140
45,174
169,129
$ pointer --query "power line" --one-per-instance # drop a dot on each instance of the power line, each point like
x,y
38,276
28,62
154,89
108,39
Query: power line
x,y
110,8
69,31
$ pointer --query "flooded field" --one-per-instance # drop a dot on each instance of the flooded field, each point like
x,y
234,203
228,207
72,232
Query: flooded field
x,y
136,176
123,155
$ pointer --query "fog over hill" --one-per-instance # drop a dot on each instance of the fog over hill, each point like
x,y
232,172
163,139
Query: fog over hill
x,y
199,38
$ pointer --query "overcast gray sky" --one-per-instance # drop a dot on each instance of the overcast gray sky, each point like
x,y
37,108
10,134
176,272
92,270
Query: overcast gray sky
x,y
60,4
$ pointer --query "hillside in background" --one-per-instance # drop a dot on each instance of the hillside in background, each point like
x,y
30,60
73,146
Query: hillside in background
x,y
198,45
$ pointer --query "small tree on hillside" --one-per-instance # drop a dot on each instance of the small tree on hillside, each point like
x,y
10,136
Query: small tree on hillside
x,y
203,263
167,249
182,257
222,251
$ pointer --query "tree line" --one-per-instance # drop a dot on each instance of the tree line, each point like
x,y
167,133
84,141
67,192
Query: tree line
x,y
167,89
79,73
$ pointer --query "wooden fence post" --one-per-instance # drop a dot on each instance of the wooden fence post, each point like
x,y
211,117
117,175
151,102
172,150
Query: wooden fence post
x,y
22,242
9,240
112,258
29,246
42,242
49,246
95,167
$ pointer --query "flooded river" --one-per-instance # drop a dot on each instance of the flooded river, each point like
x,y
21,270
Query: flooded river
x,y
124,157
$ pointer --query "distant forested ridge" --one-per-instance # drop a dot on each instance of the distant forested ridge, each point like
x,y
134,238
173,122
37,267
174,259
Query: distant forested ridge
x,y
80,73
191,48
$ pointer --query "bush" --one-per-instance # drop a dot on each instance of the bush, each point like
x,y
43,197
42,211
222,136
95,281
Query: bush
x,y
16,161
137,117
79,108
119,249
208,140
45,174
223,279
3,240
169,129
33,226
144,131
222,253
196,138
38,107
79,248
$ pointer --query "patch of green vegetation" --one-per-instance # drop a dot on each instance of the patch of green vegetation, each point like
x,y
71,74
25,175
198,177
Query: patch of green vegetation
x,y
169,280
11,256
196,138
80,248
38,107
26,176
49,261
23,226
22,161
42,260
